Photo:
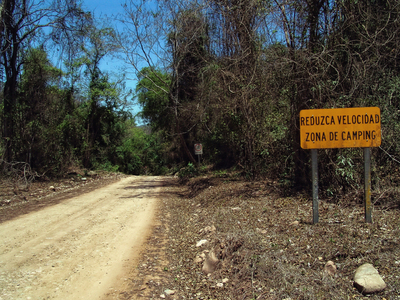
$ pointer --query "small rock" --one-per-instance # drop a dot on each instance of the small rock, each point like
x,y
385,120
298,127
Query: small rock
x,y
198,259
169,292
330,268
210,263
236,208
201,243
162,296
52,188
220,285
225,280
295,223
262,231
367,280
83,179
208,229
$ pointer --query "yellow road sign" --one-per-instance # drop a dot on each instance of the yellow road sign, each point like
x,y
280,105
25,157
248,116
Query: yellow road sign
x,y
340,128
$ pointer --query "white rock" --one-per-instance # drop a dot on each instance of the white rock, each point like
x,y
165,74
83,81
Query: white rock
x,y
162,296
169,292
367,279
201,243
225,280
208,229
262,231
220,285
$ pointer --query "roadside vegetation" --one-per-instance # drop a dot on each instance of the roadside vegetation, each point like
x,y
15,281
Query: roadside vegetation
x,y
232,75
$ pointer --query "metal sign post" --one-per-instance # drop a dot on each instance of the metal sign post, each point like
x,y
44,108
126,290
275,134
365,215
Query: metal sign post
x,y
367,185
341,128
198,150
314,165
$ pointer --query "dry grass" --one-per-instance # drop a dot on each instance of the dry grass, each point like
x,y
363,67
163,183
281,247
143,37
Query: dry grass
x,y
264,255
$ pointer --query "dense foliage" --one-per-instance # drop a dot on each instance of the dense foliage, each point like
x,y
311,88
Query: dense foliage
x,y
241,71
57,120
231,74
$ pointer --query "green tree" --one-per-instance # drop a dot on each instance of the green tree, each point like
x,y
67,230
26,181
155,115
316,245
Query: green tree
x,y
152,94
143,41
20,25
102,108
142,151
39,112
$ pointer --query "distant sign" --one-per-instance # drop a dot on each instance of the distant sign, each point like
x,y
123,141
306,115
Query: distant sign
x,y
198,149
340,128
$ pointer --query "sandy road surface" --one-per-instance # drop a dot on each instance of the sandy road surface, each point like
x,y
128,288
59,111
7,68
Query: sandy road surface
x,y
79,248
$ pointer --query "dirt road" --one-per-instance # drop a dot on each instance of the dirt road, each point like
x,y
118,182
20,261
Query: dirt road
x,y
80,248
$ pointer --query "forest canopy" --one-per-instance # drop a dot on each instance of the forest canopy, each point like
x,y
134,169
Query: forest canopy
x,y
231,74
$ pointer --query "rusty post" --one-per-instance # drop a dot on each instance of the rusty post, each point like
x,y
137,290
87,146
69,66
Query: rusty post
x,y
367,185
314,166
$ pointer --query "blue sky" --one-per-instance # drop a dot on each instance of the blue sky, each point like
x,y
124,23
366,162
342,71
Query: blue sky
x,y
110,9
103,7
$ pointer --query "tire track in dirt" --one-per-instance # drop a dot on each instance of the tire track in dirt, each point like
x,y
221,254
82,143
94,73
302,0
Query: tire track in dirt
x,y
77,249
